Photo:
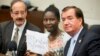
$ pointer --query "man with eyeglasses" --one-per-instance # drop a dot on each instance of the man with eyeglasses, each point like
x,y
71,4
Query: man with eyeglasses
x,y
18,13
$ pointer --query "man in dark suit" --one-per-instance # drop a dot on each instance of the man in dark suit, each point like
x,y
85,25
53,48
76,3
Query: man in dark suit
x,y
83,42
7,29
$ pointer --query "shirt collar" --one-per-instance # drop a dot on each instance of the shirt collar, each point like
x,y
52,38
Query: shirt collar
x,y
21,27
75,37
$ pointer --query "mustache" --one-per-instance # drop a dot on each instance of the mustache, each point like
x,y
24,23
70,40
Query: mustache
x,y
19,19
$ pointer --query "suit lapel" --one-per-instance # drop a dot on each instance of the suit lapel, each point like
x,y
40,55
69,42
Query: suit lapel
x,y
8,31
22,40
79,41
23,37
77,46
67,47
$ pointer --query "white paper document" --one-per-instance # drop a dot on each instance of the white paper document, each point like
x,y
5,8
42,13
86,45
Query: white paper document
x,y
37,42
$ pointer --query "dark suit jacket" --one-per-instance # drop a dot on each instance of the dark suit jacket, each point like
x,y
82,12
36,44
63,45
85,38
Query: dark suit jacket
x,y
88,44
6,33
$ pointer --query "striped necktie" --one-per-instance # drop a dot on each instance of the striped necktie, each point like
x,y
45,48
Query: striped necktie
x,y
16,35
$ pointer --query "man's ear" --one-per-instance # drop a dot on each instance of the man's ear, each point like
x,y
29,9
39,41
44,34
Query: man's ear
x,y
11,14
80,19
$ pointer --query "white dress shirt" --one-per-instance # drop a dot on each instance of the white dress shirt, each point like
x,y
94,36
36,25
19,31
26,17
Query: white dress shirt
x,y
21,28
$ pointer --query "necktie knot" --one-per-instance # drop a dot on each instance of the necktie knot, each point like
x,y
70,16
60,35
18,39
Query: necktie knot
x,y
17,29
74,41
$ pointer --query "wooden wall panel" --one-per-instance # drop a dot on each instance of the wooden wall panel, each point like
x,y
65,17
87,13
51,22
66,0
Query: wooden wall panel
x,y
35,17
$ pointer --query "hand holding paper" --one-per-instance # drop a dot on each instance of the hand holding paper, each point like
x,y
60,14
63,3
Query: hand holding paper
x,y
37,42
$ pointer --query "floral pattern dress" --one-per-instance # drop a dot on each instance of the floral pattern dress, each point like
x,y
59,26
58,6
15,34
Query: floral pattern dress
x,y
57,46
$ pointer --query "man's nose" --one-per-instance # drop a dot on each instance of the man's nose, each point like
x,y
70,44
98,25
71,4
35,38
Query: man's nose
x,y
19,15
65,22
